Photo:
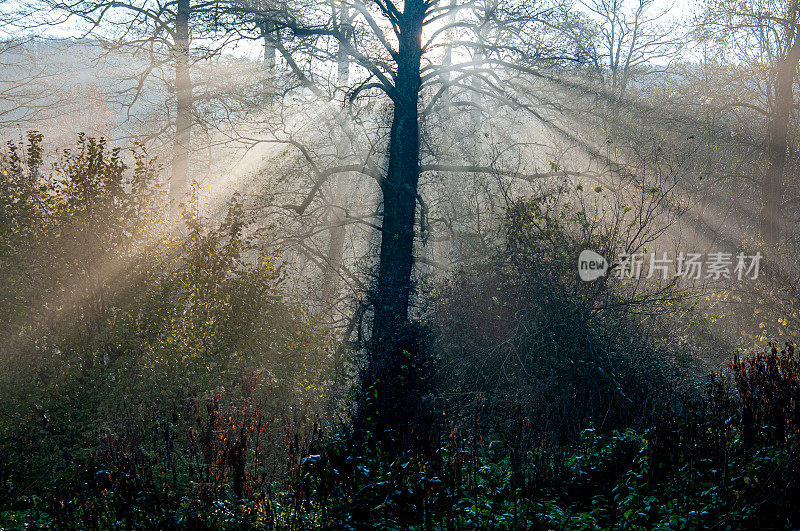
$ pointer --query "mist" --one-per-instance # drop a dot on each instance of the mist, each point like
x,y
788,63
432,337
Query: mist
x,y
420,264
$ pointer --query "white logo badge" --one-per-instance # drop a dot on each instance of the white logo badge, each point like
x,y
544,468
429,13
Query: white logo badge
x,y
591,265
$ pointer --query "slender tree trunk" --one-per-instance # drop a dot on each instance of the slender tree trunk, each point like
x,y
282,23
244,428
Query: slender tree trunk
x,y
387,375
400,186
330,280
342,59
777,145
183,114
270,51
267,28
447,61
476,113
337,229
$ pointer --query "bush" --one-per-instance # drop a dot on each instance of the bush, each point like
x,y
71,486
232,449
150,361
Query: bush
x,y
525,331
179,389
126,340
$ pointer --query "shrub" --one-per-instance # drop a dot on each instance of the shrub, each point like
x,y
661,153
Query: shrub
x,y
119,332
522,329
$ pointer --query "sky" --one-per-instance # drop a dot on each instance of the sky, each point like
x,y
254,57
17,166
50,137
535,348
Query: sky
x,y
680,9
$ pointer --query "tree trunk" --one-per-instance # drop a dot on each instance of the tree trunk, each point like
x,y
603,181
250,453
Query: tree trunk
x,y
391,353
342,58
476,113
777,144
337,229
270,51
400,186
447,61
183,113
267,28
336,221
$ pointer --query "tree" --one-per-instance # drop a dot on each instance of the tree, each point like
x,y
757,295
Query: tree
x,y
765,36
399,51
633,36
25,96
161,33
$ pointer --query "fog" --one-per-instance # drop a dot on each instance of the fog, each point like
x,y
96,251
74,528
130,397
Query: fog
x,y
374,211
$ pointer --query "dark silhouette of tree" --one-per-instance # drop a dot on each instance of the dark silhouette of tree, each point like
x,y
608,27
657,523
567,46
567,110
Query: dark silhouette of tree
x,y
399,52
